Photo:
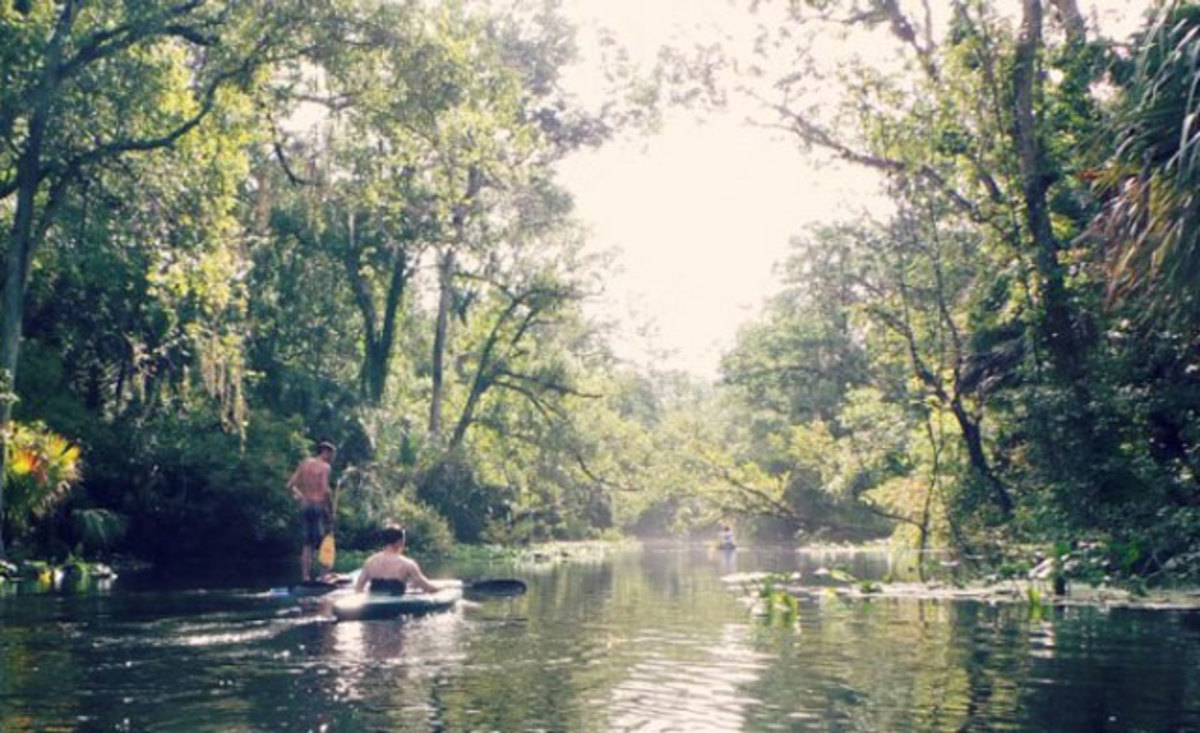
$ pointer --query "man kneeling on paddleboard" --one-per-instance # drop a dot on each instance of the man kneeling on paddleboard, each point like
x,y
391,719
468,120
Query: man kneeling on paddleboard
x,y
389,571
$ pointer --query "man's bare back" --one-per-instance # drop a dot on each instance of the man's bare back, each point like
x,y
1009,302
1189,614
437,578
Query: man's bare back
x,y
389,564
389,567
310,482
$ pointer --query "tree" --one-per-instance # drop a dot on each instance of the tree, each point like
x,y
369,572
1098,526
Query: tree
x,y
514,122
944,125
1150,221
206,288
179,58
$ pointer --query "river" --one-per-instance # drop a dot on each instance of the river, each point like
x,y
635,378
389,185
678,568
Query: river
x,y
648,640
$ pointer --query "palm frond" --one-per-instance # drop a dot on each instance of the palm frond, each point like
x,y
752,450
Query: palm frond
x,y
1152,220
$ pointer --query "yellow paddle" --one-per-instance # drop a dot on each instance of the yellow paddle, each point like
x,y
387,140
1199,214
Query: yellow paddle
x,y
327,552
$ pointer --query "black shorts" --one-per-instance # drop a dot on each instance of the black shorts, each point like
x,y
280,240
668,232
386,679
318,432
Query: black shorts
x,y
387,587
315,520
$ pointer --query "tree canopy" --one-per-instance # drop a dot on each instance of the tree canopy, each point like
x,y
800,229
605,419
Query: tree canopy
x,y
233,229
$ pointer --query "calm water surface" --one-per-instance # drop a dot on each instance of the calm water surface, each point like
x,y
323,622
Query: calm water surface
x,y
648,641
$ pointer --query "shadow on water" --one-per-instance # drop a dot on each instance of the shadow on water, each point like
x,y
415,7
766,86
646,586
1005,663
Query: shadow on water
x,y
636,641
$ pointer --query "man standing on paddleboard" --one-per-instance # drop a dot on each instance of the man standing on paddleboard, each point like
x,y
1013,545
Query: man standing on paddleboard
x,y
310,485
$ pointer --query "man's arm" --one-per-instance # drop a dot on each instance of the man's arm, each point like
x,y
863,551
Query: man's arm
x,y
291,482
417,578
363,577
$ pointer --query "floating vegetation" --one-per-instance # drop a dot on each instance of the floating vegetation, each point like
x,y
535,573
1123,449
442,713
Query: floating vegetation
x,y
779,606
40,576
557,552
762,592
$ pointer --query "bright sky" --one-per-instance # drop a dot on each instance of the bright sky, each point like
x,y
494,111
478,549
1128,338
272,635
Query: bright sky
x,y
700,213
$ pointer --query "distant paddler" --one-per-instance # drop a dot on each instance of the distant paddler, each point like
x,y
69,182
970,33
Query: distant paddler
x,y
725,541
309,484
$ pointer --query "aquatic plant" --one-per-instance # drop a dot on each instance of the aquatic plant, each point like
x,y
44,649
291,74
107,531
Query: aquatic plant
x,y
779,606
869,587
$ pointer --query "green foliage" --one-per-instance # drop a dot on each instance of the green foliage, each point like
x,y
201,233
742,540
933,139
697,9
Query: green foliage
x,y
98,529
193,490
842,576
869,587
1012,570
1154,216
452,489
373,495
211,289
42,468
780,606
429,532
1036,602
959,367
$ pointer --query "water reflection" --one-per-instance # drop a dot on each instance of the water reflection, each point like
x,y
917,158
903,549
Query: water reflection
x,y
649,641
727,560
683,686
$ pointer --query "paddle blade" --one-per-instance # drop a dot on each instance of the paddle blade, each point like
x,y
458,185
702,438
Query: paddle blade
x,y
497,587
327,552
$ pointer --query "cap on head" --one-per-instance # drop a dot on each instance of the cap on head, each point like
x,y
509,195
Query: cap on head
x,y
326,447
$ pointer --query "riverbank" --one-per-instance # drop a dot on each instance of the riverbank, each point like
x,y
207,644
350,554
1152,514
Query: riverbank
x,y
47,576
34,577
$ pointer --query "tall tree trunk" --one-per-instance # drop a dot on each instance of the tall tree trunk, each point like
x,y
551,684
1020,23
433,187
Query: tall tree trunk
x,y
1057,327
478,387
16,275
23,240
1072,19
378,338
372,379
381,354
973,437
935,446
365,299
445,300
484,375
446,270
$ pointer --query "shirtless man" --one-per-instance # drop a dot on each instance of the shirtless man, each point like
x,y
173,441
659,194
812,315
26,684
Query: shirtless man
x,y
310,485
389,571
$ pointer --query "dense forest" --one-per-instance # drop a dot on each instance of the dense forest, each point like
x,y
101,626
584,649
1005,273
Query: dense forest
x,y
235,228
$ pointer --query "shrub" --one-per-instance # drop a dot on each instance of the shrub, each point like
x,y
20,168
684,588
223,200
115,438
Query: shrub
x,y
98,529
41,470
372,495
451,488
194,491
428,532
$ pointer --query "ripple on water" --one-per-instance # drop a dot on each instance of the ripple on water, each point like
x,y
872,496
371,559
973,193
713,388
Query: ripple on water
x,y
686,682
653,644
